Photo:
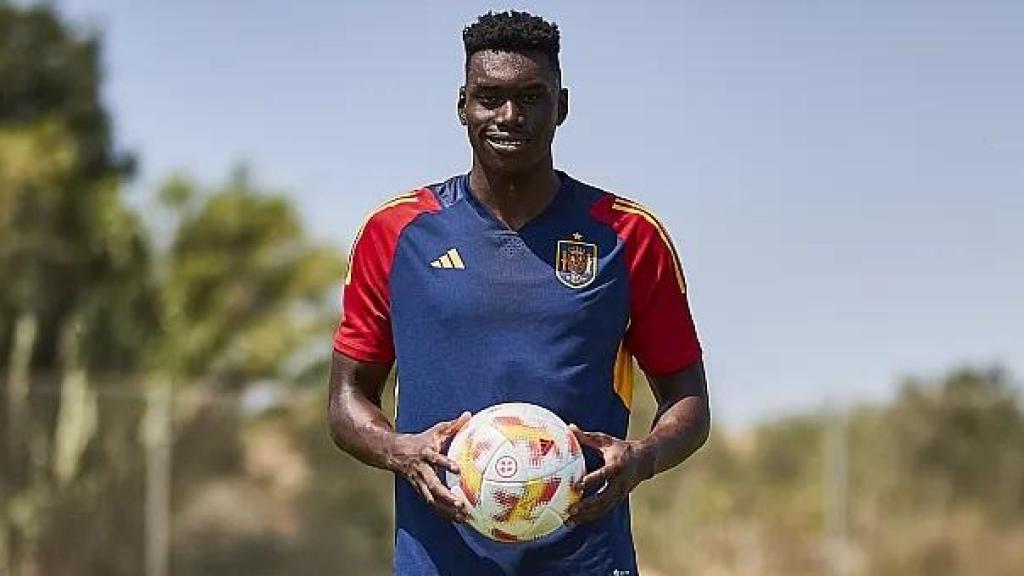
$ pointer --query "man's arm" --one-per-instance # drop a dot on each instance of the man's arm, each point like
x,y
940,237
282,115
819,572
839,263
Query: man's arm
x,y
359,427
681,426
683,420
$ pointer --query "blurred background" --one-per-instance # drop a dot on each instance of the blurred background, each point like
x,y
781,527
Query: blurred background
x,y
179,183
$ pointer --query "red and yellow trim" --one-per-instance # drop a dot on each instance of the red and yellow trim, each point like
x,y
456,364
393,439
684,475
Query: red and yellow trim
x,y
622,375
397,201
661,335
364,332
630,207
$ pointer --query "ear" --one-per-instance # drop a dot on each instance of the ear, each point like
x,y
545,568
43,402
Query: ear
x,y
461,106
563,105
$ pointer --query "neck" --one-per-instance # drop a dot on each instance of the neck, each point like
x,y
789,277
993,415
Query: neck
x,y
515,199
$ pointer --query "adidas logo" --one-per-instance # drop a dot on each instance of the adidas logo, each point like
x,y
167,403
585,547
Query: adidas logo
x,y
449,259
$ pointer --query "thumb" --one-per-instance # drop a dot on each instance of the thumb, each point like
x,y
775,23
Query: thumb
x,y
593,440
452,427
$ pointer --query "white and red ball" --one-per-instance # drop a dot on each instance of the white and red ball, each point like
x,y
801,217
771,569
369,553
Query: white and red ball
x,y
519,467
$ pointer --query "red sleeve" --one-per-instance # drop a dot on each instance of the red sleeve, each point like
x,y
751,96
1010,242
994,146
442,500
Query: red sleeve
x,y
660,334
364,332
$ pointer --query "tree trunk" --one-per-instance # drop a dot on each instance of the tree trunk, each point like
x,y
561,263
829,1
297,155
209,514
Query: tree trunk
x,y
76,419
6,566
18,418
157,436
15,553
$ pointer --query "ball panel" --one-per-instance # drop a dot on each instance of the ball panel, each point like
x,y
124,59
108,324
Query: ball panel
x,y
473,448
501,536
574,444
507,465
562,450
457,452
513,507
541,445
568,493
517,507
519,466
547,522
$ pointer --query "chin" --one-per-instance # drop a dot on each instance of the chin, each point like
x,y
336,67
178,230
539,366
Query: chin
x,y
506,167
509,165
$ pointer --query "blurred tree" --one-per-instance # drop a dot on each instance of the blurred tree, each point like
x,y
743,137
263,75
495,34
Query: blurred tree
x,y
291,505
74,261
938,477
244,300
243,288
87,302
935,485
243,295
965,435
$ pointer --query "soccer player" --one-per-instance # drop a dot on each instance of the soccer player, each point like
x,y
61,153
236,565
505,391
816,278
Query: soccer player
x,y
514,282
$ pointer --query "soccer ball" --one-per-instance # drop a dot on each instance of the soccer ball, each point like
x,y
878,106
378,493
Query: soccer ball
x,y
519,467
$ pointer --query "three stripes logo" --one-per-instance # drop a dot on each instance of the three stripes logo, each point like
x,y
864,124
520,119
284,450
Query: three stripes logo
x,y
449,259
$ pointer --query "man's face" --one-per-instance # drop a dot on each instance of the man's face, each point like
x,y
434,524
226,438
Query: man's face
x,y
511,105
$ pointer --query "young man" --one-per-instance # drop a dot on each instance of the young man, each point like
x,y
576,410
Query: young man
x,y
514,282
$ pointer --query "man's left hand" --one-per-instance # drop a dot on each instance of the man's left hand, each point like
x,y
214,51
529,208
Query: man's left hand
x,y
626,464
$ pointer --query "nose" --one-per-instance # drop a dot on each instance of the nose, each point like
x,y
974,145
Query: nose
x,y
509,113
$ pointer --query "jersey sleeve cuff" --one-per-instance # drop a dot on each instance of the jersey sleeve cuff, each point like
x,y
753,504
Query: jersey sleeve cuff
x,y
363,354
663,369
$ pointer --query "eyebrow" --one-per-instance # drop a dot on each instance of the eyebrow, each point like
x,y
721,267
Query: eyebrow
x,y
484,85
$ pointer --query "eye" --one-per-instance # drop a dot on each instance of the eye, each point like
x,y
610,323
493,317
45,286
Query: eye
x,y
490,100
530,98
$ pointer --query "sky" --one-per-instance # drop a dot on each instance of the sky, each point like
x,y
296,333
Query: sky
x,y
844,180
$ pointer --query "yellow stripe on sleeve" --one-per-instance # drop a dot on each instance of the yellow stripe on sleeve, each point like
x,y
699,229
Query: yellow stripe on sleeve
x,y
634,208
622,375
403,199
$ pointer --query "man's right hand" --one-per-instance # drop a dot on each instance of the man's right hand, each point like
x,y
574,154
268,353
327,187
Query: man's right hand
x,y
416,458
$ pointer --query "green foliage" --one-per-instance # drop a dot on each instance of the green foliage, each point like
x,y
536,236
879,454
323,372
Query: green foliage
x,y
966,438
65,233
244,288
934,480
76,298
91,310
280,499
52,71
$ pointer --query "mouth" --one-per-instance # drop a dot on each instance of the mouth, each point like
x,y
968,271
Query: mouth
x,y
507,142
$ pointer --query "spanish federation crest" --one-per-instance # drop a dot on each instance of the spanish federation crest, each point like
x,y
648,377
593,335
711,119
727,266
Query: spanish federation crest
x,y
576,262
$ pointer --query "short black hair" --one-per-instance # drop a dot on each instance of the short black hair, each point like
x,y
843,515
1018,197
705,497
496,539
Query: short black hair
x,y
512,31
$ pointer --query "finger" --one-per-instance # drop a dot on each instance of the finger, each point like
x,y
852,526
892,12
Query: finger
x,y
425,476
444,435
421,483
439,460
595,440
442,432
598,477
424,492
594,507
461,421
445,502
452,427
449,512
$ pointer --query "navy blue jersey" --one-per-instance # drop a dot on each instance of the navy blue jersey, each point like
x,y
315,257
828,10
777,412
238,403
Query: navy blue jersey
x,y
475,314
